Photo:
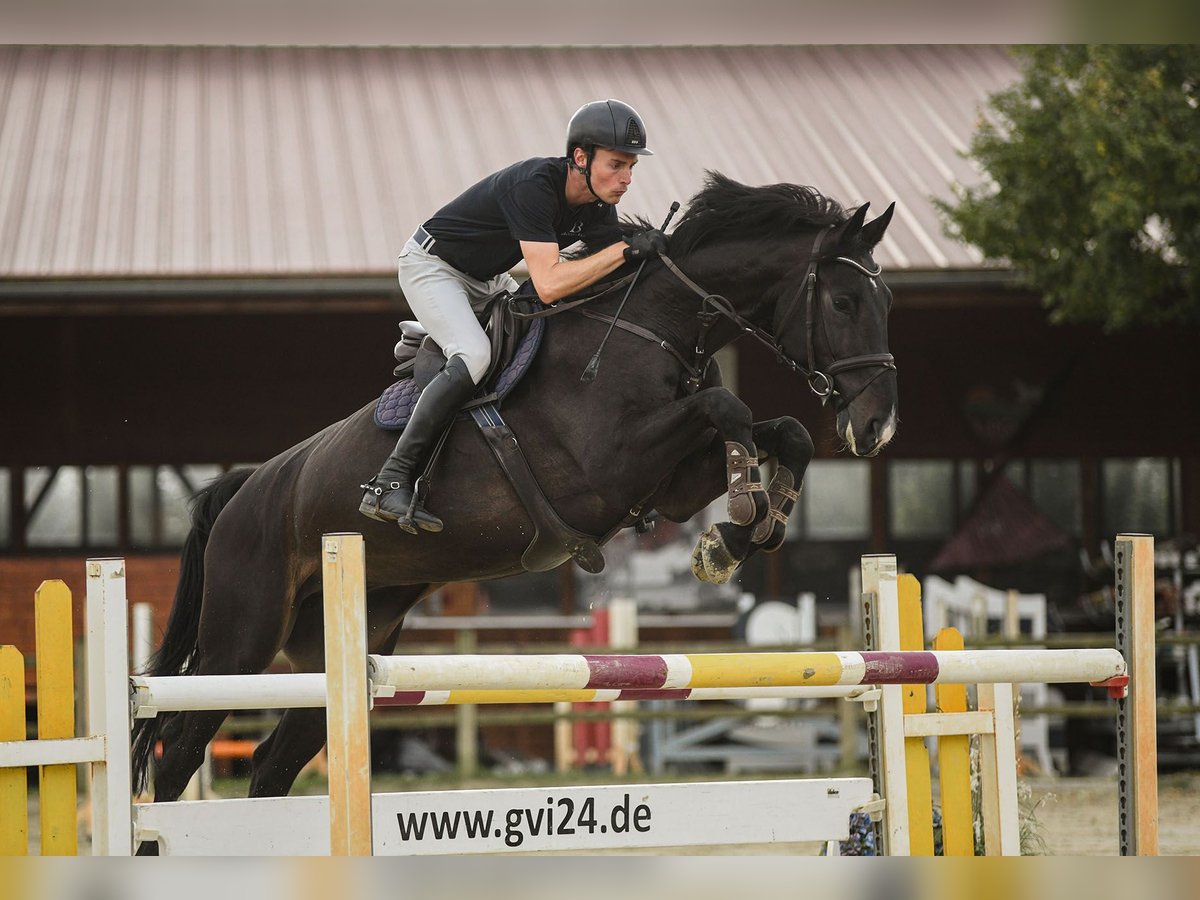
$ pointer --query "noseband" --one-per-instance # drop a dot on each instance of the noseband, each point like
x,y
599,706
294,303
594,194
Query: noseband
x,y
822,383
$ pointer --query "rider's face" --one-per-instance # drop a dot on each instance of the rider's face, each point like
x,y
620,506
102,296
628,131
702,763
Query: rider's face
x,y
612,173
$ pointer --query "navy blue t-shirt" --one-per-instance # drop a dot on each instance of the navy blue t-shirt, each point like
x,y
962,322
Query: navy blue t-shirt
x,y
478,231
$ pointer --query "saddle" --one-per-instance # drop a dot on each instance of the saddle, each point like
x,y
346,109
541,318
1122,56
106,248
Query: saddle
x,y
419,358
515,341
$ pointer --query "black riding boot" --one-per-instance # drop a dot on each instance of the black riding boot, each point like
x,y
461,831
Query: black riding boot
x,y
390,494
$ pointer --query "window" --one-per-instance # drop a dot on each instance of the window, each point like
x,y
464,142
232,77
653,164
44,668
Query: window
x,y
54,498
158,502
968,484
1054,489
920,498
100,506
1136,496
836,500
79,507
69,506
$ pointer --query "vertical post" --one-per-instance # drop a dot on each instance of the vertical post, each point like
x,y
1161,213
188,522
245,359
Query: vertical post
x,y
849,715
564,751
954,762
107,644
623,637
344,582
1137,736
14,792
55,652
1011,629
897,837
143,635
915,701
998,773
885,728
466,715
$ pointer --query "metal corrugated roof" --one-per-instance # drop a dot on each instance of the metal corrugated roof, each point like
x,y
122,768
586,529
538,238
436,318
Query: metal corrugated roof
x,y
207,161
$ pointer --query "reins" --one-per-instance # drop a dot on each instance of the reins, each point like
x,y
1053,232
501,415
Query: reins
x,y
714,307
821,383
567,305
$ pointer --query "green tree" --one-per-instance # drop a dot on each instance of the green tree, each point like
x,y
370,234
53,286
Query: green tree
x,y
1091,184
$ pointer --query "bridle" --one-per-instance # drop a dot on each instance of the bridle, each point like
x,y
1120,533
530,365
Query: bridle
x,y
822,383
714,307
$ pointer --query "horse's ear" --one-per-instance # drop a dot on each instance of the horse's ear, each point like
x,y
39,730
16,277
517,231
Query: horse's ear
x,y
872,232
854,224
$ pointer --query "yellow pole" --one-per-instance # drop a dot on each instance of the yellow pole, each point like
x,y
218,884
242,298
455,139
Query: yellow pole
x,y
14,798
56,714
954,762
916,754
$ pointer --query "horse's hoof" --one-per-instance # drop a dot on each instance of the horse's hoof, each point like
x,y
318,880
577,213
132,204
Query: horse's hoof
x,y
711,560
698,562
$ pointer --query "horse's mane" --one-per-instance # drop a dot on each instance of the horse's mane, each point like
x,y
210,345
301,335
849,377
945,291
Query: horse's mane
x,y
727,208
724,207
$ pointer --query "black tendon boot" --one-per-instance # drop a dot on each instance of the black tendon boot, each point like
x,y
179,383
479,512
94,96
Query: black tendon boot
x,y
389,495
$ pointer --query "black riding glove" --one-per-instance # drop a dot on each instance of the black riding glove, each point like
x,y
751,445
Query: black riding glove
x,y
645,245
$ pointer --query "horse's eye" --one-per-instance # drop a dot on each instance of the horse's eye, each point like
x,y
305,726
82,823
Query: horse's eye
x,y
841,304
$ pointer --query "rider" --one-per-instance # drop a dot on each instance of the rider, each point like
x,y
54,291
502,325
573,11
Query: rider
x,y
461,256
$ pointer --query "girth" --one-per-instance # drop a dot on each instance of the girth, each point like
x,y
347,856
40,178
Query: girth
x,y
553,539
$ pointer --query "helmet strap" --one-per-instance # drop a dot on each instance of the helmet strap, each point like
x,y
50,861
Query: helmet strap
x,y
586,172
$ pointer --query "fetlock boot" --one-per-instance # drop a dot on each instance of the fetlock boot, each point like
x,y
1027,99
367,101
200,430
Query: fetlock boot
x,y
390,496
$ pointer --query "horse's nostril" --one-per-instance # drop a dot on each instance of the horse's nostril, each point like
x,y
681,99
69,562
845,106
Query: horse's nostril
x,y
873,432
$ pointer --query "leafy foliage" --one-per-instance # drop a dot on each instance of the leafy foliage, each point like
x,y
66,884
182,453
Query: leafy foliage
x,y
1092,182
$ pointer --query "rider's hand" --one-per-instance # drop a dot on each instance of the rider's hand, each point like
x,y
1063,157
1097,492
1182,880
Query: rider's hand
x,y
645,245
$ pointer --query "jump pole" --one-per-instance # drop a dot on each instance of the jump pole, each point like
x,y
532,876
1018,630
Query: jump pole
x,y
683,671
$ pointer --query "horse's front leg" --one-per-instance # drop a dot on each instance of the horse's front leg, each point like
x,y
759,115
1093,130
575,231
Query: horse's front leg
x,y
686,428
704,441
789,443
697,480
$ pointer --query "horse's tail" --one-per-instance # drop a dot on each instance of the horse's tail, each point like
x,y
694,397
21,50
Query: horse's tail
x,y
177,654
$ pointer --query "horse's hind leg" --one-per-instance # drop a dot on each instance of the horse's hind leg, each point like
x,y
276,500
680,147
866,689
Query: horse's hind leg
x,y
239,634
301,733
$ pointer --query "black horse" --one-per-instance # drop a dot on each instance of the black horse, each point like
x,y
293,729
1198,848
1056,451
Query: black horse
x,y
782,262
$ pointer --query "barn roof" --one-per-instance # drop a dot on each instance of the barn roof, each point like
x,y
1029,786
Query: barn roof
x,y
254,162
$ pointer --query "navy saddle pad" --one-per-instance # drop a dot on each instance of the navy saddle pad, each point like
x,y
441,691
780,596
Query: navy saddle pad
x,y
397,402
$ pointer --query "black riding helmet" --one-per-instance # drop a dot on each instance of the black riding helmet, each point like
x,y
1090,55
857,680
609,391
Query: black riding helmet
x,y
605,123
